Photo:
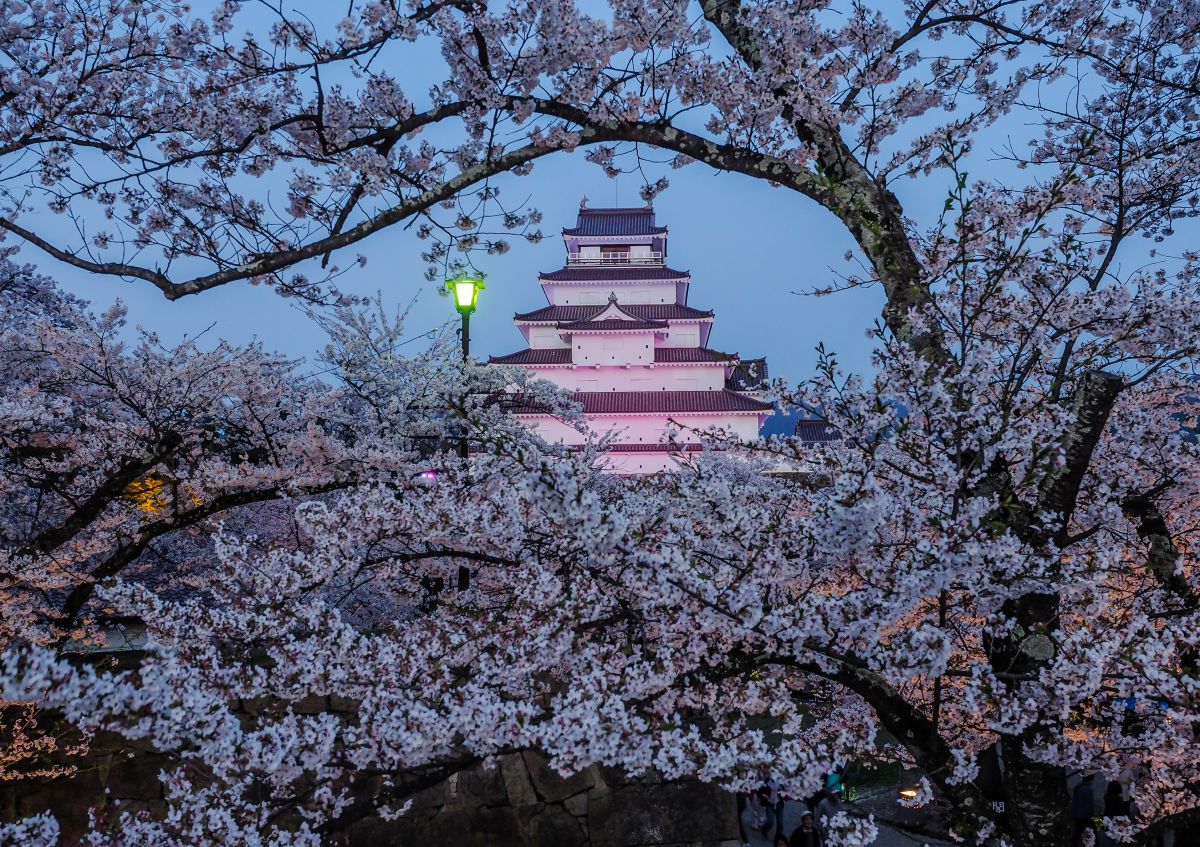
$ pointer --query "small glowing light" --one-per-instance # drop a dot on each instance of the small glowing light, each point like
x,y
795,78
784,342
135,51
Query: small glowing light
x,y
429,474
148,494
465,288
464,293
909,793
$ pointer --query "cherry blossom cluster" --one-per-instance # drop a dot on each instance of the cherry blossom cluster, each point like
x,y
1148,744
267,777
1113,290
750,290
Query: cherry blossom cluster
x,y
1001,551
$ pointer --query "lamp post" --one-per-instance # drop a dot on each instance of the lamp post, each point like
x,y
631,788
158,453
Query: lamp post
x,y
464,287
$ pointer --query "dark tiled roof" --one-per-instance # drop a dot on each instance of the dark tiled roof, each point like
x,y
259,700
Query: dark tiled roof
x,y
613,324
562,355
815,429
652,448
668,312
659,402
619,273
615,222
550,356
749,375
691,354
653,312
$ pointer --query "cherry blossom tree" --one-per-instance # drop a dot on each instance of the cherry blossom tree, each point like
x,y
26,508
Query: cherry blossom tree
x,y
161,136
112,448
120,458
1000,552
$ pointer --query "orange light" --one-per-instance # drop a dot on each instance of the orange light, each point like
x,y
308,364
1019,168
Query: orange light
x,y
148,494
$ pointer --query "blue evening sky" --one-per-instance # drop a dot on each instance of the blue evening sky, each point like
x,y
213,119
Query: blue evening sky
x,y
749,248
752,251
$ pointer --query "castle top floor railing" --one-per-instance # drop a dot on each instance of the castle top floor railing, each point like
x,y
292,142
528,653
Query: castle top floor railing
x,y
652,258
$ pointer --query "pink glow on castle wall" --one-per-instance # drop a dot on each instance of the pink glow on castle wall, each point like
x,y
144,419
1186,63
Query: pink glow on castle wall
x,y
619,333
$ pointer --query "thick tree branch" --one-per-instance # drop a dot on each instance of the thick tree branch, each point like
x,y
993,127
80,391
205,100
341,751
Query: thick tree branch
x,y
868,209
114,486
128,553
1163,556
919,736
1092,402
264,264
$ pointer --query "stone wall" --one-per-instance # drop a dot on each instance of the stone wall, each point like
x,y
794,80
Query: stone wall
x,y
518,802
114,776
523,803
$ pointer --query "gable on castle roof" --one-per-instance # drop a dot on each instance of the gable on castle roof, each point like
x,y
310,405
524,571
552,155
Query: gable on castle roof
x,y
613,317
645,312
613,311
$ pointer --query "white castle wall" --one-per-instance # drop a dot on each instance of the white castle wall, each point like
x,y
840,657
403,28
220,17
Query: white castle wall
x,y
611,348
638,378
678,334
640,463
647,429
682,334
629,294
546,337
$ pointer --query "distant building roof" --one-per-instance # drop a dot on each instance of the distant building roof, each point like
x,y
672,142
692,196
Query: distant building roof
x,y
816,430
549,356
691,354
615,222
653,312
748,375
658,402
619,273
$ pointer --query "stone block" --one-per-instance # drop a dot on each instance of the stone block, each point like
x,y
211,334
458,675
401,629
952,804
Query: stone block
x,y
462,827
428,801
457,826
600,784
372,831
70,798
553,827
612,777
516,780
577,805
156,809
255,706
662,814
313,704
549,785
482,786
101,744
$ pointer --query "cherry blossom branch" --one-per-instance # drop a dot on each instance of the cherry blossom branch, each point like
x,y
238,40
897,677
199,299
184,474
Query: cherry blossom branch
x,y
263,264
128,553
113,487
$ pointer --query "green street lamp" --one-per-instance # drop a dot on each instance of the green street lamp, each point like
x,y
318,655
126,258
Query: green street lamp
x,y
465,286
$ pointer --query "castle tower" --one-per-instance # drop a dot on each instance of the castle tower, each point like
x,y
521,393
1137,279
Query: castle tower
x,y
618,332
